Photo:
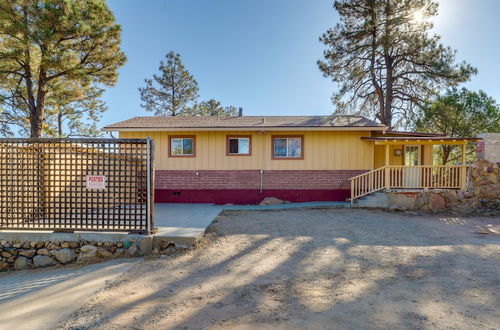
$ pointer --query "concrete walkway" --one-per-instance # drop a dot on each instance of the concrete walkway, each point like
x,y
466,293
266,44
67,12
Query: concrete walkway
x,y
184,221
39,299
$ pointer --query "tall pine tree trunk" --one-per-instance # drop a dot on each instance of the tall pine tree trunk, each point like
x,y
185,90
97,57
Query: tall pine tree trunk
x,y
59,124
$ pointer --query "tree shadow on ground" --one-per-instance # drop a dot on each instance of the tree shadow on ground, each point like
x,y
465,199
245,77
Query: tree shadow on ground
x,y
314,269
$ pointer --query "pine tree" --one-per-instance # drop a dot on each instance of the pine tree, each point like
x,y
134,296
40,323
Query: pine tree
x,y
46,41
459,113
385,61
76,112
212,108
171,93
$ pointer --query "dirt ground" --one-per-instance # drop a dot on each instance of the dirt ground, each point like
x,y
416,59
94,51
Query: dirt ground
x,y
315,269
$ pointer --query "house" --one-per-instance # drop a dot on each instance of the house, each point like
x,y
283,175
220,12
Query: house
x,y
243,159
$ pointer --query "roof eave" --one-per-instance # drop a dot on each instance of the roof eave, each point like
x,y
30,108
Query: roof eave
x,y
420,140
253,128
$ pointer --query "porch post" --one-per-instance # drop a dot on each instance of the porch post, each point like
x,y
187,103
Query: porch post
x,y
463,169
387,170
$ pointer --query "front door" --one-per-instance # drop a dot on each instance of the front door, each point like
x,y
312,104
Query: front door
x,y
412,175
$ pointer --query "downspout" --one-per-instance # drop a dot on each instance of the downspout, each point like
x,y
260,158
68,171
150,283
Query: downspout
x,y
261,180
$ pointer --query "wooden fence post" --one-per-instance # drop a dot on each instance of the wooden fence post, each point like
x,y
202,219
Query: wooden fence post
x,y
387,169
463,170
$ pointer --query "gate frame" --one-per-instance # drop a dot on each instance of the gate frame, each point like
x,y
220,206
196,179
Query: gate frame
x,y
149,181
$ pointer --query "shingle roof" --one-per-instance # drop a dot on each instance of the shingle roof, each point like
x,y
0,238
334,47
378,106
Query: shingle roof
x,y
243,122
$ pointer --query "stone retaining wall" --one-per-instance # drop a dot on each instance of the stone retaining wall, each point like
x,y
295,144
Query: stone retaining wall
x,y
18,255
482,195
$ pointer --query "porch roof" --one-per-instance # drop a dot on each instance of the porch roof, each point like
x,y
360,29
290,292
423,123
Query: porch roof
x,y
432,140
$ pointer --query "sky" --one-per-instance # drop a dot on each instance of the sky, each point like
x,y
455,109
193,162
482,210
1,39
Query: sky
x,y
261,54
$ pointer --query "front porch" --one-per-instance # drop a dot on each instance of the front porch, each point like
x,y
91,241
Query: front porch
x,y
406,163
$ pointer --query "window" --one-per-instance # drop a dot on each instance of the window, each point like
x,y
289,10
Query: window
x,y
288,147
182,146
238,146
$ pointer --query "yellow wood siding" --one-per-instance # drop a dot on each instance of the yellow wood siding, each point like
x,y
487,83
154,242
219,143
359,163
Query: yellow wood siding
x,y
323,150
427,153
379,158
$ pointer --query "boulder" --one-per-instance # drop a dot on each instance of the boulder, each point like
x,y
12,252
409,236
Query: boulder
x,y
43,252
6,254
4,266
492,178
451,196
468,205
12,251
145,245
43,261
103,253
437,202
88,250
52,246
132,251
22,263
87,253
64,255
493,204
119,252
487,191
468,194
272,201
27,253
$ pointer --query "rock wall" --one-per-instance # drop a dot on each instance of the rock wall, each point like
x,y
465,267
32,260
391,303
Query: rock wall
x,y
17,255
489,147
482,195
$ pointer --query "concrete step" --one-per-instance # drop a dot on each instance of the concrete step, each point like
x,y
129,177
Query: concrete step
x,y
377,199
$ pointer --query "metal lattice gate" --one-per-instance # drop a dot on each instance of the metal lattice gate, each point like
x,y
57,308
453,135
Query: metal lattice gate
x,y
76,184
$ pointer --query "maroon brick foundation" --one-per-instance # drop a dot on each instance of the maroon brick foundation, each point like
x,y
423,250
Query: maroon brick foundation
x,y
244,187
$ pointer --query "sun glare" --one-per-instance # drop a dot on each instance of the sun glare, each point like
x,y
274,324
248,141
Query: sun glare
x,y
418,16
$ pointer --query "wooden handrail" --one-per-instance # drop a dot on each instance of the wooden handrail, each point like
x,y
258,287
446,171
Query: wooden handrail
x,y
409,177
367,183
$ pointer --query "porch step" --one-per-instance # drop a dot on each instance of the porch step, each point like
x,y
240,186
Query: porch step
x,y
377,199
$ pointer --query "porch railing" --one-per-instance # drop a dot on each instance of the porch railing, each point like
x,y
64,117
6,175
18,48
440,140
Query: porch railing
x,y
409,177
367,183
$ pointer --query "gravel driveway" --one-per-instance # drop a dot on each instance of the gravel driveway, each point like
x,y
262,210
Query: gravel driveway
x,y
314,269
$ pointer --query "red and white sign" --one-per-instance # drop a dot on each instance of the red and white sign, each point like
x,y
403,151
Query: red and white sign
x,y
96,181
